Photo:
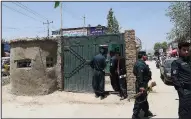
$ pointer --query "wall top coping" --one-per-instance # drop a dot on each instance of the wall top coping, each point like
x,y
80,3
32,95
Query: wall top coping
x,y
26,39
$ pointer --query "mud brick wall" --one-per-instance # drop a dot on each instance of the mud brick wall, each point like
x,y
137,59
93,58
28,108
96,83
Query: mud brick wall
x,y
131,56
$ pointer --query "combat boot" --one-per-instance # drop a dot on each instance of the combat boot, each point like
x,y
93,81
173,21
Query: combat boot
x,y
135,117
148,114
102,97
97,96
122,98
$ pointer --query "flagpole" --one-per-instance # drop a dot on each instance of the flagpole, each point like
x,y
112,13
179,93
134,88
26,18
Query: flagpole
x,y
61,19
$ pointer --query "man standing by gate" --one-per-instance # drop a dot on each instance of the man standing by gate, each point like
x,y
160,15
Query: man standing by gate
x,y
113,73
121,74
98,64
181,77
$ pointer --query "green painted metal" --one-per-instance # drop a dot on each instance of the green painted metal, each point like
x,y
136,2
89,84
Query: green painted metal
x,y
78,51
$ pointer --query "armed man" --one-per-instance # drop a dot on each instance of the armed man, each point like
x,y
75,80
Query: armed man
x,y
143,75
121,73
181,77
98,64
113,73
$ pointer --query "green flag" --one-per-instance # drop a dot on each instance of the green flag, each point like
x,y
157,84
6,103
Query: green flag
x,y
57,3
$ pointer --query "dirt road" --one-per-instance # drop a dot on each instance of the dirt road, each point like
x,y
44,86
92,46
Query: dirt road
x,y
69,105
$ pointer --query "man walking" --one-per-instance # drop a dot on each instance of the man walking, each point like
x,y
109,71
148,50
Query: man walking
x,y
98,64
143,75
121,73
113,73
181,77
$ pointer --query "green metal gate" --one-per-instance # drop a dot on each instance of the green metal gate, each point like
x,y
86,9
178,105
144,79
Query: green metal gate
x,y
78,52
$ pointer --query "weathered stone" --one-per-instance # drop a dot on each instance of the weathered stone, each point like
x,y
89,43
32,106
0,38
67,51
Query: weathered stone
x,y
131,54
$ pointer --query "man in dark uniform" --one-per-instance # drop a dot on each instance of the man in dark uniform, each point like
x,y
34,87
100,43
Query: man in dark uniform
x,y
143,75
98,65
121,73
181,77
113,73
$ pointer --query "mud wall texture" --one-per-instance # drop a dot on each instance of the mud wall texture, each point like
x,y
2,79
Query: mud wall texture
x,y
131,57
35,78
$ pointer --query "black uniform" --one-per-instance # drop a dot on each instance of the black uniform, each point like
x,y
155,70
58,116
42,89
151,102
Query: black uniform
x,y
114,75
143,75
98,65
121,71
181,77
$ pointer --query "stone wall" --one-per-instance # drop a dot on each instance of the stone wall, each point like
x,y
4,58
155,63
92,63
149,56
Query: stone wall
x,y
131,56
37,79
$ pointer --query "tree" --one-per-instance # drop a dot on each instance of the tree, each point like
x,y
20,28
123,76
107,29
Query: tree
x,y
157,46
179,13
164,46
115,26
112,23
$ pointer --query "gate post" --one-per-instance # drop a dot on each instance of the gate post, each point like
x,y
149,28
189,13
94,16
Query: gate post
x,y
59,64
130,55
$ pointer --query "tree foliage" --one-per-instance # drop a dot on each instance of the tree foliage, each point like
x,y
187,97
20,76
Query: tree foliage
x,y
112,23
157,46
115,26
162,45
179,13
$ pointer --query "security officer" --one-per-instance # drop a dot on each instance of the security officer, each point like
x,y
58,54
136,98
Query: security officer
x,y
98,64
143,75
181,77
121,73
113,73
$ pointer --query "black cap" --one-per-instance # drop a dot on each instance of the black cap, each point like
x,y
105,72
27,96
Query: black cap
x,y
183,44
111,52
117,52
140,54
102,50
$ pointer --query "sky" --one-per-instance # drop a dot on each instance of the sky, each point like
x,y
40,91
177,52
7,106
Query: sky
x,y
146,18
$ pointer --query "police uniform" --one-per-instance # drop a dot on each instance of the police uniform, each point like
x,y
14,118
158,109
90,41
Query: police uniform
x,y
181,77
143,75
121,71
114,75
98,65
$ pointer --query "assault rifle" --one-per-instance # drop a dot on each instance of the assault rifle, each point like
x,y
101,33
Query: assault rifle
x,y
148,90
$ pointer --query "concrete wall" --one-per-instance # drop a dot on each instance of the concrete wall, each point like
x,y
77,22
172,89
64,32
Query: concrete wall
x,y
37,79
131,57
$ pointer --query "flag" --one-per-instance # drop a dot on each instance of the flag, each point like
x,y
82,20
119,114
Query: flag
x,y
57,3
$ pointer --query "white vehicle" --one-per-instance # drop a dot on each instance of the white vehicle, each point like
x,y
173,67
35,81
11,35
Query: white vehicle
x,y
5,60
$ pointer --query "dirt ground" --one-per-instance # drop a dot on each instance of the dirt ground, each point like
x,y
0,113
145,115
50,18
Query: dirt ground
x,y
162,102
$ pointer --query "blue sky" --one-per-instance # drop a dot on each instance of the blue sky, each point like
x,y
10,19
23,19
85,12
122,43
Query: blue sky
x,y
146,18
